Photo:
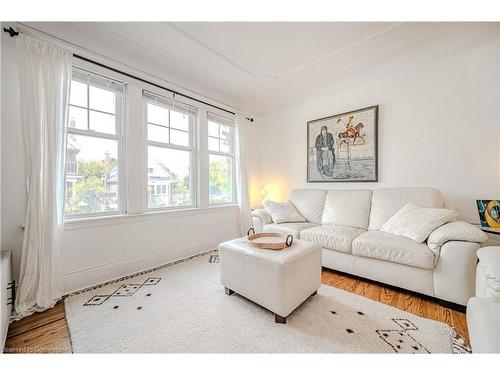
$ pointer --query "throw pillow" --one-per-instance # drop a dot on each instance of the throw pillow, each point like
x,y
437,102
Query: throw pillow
x,y
416,222
283,212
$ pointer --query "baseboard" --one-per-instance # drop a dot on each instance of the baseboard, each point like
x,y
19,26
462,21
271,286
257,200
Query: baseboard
x,y
81,279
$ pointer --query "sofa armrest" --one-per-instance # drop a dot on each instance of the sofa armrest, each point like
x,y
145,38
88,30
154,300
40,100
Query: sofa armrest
x,y
260,217
455,273
258,226
488,270
455,231
483,324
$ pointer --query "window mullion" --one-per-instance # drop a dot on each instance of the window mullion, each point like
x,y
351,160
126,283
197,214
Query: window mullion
x,y
91,133
169,145
88,105
169,140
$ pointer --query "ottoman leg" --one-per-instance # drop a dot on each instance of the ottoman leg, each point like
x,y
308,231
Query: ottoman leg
x,y
228,291
279,319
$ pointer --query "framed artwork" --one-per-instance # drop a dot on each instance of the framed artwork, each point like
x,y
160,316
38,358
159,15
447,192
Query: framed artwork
x,y
489,212
343,147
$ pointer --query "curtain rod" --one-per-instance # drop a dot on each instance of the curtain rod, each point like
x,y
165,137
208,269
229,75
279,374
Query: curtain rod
x,y
14,33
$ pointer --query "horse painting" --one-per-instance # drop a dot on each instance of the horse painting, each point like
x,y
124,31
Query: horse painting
x,y
352,132
343,147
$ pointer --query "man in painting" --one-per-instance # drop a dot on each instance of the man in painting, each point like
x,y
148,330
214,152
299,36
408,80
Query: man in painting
x,y
324,152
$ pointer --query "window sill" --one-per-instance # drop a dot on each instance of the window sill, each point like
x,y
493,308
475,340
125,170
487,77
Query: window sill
x,y
117,219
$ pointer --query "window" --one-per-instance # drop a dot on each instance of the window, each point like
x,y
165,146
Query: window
x,y
220,160
93,173
170,140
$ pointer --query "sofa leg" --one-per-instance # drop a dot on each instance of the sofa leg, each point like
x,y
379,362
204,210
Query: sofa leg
x,y
279,319
451,305
228,291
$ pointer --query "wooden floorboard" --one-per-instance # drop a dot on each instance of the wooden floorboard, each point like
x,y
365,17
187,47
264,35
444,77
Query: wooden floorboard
x,y
36,320
44,332
47,332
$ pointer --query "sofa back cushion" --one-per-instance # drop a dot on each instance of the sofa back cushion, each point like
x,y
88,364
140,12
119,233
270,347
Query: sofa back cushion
x,y
309,203
387,201
347,207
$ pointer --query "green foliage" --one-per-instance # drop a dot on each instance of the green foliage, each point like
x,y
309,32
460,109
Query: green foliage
x,y
89,192
94,168
219,180
181,191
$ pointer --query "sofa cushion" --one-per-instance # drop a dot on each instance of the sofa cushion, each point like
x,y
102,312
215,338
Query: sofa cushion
x,y
392,248
387,201
334,237
347,207
288,228
309,203
283,212
416,222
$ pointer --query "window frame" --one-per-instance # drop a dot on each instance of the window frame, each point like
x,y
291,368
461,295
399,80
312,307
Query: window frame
x,y
224,121
119,137
147,98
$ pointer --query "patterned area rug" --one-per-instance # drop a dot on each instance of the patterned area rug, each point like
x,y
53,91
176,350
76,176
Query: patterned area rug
x,y
182,308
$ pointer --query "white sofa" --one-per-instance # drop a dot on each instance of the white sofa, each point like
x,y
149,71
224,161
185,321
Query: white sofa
x,y
483,310
346,223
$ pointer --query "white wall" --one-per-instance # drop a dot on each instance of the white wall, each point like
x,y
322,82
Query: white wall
x,y
105,249
12,158
99,250
438,126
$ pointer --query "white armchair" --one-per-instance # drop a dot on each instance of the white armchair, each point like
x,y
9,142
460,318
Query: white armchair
x,y
483,310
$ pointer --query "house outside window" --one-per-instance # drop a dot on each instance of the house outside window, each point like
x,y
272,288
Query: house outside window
x,y
170,153
93,152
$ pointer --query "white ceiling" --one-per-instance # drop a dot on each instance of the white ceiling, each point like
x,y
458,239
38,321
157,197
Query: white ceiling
x,y
261,67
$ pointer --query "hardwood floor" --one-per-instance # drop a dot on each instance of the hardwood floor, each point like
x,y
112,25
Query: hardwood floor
x,y
47,332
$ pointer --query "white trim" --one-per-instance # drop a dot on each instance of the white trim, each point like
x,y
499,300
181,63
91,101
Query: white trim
x,y
92,133
227,120
167,102
90,222
169,145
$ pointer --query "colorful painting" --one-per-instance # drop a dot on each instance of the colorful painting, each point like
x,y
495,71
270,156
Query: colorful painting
x,y
489,212
343,147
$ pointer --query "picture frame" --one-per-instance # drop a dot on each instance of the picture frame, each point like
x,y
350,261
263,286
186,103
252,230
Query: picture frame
x,y
489,212
343,147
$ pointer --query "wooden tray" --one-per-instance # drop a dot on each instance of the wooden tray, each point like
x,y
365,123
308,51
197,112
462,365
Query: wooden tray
x,y
269,240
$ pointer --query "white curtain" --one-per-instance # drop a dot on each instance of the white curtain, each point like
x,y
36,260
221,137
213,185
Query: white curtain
x,y
242,173
45,76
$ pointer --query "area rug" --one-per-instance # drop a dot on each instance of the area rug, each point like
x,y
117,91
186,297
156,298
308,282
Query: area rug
x,y
182,308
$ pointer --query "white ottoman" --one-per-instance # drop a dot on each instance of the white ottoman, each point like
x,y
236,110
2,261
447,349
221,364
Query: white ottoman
x,y
279,280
